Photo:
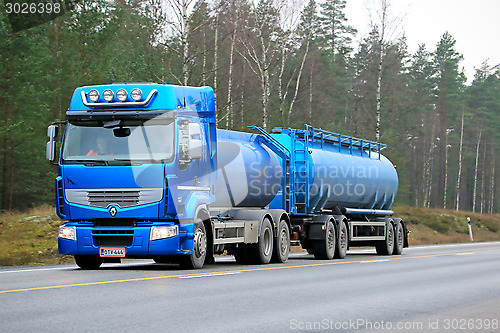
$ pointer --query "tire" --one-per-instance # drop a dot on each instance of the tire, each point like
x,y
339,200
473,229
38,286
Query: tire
x,y
281,249
386,247
262,252
325,249
399,239
88,262
196,259
342,242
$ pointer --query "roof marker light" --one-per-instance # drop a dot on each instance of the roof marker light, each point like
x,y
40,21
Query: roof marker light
x,y
93,95
121,94
108,95
136,94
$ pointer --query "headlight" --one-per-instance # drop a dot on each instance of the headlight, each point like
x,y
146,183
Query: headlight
x,y
163,232
67,233
121,94
93,95
136,94
108,95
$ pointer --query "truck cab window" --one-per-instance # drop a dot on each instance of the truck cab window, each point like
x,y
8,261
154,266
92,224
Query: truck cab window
x,y
146,141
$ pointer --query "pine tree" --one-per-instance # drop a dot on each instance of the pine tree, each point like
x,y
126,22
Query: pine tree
x,y
335,33
449,84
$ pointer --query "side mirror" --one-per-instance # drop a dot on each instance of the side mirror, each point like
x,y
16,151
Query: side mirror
x,y
52,131
195,145
190,148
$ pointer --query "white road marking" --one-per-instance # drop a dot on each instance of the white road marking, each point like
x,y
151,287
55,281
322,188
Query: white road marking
x,y
208,275
372,261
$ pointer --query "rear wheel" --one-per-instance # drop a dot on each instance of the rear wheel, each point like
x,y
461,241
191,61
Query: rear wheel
x,y
197,258
325,248
342,239
281,249
88,262
386,247
399,239
262,252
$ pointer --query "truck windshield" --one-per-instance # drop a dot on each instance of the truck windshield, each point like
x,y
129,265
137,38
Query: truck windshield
x,y
119,141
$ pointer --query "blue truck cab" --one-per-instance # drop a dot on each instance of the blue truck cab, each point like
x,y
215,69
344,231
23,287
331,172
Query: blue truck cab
x,y
134,172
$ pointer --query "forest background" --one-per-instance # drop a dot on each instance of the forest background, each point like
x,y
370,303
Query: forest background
x,y
271,63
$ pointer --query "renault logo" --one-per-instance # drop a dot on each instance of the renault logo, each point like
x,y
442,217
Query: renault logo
x,y
113,211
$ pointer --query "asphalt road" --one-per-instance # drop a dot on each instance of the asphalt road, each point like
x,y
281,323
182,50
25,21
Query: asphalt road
x,y
450,288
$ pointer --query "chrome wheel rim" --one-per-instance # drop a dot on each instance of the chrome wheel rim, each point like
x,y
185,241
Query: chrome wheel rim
x,y
199,243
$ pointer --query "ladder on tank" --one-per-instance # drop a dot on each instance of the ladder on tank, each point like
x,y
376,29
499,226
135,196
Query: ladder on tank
x,y
300,172
284,153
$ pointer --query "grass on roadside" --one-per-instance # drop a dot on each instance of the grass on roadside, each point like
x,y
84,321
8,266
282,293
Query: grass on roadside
x,y
437,226
30,238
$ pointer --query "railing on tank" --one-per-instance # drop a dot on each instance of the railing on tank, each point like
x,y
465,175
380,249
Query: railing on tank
x,y
318,135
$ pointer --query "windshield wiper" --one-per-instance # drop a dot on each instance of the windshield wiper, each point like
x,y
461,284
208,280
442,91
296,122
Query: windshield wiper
x,y
88,162
95,162
137,161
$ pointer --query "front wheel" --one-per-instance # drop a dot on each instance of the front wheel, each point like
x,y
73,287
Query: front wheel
x,y
197,258
88,262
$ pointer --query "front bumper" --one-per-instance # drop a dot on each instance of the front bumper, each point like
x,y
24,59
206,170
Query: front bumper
x,y
135,240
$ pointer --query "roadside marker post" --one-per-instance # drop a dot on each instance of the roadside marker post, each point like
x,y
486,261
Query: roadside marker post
x,y
470,230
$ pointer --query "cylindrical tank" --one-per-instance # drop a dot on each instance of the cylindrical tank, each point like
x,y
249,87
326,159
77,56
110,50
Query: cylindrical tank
x,y
354,181
345,177
248,174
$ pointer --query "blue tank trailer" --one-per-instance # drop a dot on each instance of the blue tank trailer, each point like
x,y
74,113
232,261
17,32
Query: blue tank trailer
x,y
143,172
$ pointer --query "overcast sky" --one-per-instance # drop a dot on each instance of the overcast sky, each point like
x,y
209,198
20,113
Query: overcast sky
x,y
475,25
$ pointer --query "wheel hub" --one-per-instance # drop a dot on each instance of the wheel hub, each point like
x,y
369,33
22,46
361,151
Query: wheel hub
x,y
199,243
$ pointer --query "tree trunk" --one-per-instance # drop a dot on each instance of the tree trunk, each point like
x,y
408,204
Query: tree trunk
x,y
460,162
299,75
428,167
379,73
185,43
483,173
229,112
311,92
445,189
242,101
204,65
476,170
216,57
492,181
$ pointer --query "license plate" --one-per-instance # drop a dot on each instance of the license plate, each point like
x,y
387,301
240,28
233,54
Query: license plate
x,y
112,252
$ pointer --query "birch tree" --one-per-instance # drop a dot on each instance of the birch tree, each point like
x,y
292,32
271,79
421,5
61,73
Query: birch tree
x,y
387,25
457,205
476,168
260,50
303,32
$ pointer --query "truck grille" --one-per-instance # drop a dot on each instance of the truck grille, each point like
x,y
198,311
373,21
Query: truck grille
x,y
122,197
109,237
109,197
113,241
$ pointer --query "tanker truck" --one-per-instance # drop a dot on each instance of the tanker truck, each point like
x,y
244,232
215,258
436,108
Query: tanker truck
x,y
143,172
